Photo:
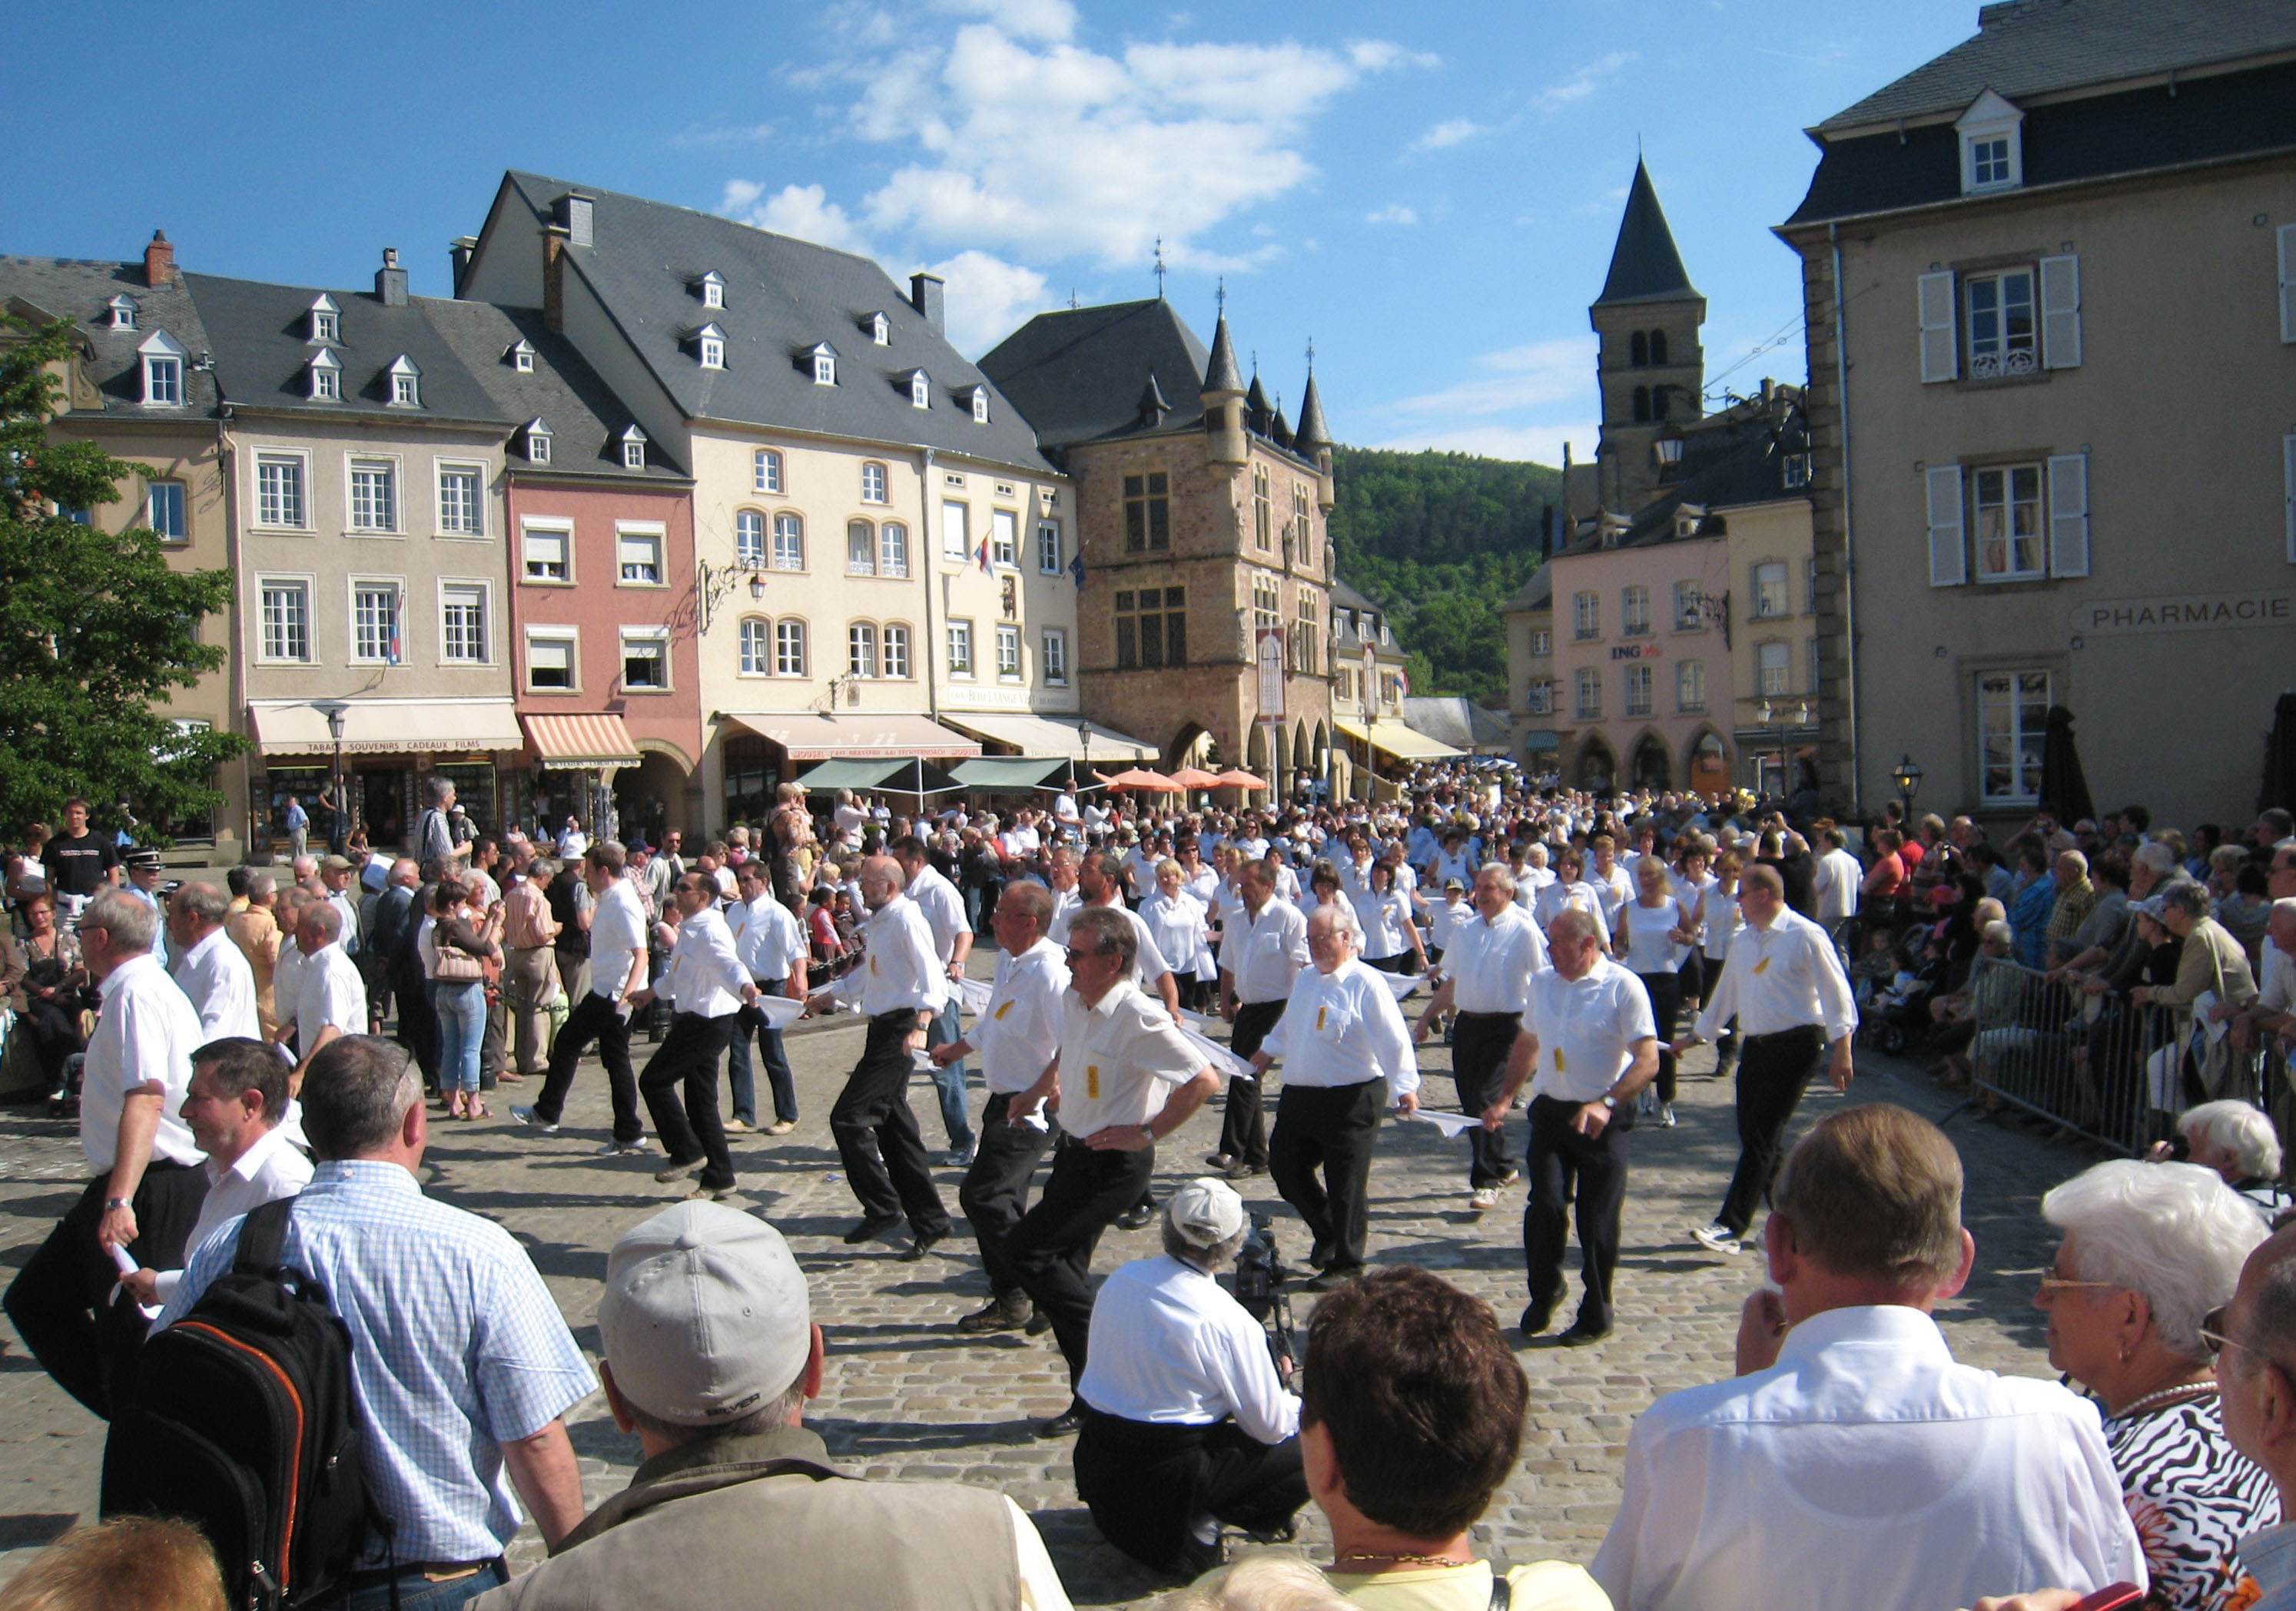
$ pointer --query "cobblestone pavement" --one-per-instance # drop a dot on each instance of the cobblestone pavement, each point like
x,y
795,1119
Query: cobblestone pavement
x,y
906,1395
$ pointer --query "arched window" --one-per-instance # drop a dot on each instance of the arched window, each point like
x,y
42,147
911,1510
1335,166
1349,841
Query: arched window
x,y
1657,402
789,542
897,649
1642,405
788,649
757,659
749,539
1658,349
860,549
1638,349
893,549
861,650
766,471
872,483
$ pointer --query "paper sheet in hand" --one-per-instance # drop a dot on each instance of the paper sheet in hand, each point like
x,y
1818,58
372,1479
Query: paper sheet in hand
x,y
125,1264
1403,983
780,1012
1220,1057
2201,1005
973,995
1451,1124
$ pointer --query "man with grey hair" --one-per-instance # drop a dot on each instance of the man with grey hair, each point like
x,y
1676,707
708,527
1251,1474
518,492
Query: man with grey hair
x,y
459,1358
211,970
2076,899
145,1195
434,833
329,996
710,1353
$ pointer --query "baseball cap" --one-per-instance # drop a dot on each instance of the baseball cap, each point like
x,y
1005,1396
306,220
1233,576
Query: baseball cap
x,y
705,1316
335,863
1455,883
1205,1211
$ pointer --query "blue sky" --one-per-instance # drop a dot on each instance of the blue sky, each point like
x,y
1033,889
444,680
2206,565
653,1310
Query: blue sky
x,y
1430,192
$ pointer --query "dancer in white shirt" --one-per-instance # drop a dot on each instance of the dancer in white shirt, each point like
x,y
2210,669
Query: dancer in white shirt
x,y
706,986
215,973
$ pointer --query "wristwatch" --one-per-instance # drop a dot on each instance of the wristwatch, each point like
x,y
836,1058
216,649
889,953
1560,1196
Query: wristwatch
x,y
1609,1102
112,1204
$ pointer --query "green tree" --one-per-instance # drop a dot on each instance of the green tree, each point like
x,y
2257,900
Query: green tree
x,y
94,629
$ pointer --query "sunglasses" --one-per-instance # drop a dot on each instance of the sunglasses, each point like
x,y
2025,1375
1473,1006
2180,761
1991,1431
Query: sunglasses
x,y
2212,1335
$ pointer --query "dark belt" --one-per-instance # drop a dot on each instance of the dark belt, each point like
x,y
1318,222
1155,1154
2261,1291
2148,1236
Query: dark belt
x,y
1780,1034
1481,1018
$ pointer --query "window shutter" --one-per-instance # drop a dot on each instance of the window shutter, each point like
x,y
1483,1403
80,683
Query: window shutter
x,y
2287,232
2069,515
2288,453
1940,340
1948,562
2061,330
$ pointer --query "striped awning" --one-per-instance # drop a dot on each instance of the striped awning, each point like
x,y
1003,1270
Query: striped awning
x,y
814,735
584,738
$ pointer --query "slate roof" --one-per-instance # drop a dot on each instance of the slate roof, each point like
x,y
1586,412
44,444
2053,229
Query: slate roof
x,y
1344,599
1645,265
585,417
1077,373
260,336
81,291
1537,593
1728,467
2029,48
1313,433
1222,374
1457,721
2218,117
782,298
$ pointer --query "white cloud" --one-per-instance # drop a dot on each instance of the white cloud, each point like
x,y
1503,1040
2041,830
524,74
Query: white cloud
x,y
1028,18
1377,55
1531,376
988,298
1583,83
1539,444
699,138
1393,214
802,211
1450,132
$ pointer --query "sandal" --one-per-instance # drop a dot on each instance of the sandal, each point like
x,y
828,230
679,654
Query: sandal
x,y
475,1110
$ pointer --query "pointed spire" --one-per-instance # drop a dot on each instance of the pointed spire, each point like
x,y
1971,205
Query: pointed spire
x,y
1313,432
1222,374
1152,405
1279,429
1255,412
1644,265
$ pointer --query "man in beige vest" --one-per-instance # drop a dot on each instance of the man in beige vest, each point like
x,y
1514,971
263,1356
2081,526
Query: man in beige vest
x,y
710,1353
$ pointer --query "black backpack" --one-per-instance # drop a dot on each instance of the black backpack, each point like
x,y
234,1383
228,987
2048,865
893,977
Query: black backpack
x,y
243,1423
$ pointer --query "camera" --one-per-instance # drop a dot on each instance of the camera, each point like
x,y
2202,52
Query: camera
x,y
1259,1286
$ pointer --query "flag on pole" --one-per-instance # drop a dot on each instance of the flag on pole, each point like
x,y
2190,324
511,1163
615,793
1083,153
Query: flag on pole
x,y
1402,684
981,554
397,649
1076,569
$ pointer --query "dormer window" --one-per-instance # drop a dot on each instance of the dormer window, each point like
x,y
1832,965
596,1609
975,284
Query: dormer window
x,y
881,329
980,400
326,377
713,292
123,312
163,371
633,449
822,360
920,389
709,345
1992,145
538,442
405,383
327,321
521,356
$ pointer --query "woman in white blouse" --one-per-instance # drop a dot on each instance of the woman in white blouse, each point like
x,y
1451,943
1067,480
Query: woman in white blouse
x,y
1390,939
1653,935
1176,922
1722,922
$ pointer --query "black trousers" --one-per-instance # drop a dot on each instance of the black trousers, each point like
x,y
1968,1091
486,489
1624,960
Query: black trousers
x,y
692,1128
1772,1071
1243,1127
1665,992
1479,1045
1335,1127
61,1301
995,1190
418,1025
1145,1482
594,1018
876,1131
1051,1250
1560,1160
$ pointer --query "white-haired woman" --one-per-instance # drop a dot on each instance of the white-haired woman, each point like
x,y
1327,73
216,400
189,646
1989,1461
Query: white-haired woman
x,y
2237,1140
2150,1251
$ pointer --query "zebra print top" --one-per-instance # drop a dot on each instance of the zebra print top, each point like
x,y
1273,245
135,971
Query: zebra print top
x,y
2193,1497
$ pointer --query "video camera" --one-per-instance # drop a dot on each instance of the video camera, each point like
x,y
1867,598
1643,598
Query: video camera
x,y
1259,1284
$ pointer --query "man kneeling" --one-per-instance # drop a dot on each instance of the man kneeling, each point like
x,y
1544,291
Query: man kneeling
x,y
1187,1425
710,1353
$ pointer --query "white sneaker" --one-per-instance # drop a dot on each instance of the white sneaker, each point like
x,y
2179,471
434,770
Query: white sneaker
x,y
1715,1238
526,1115
1666,1120
1484,1197
622,1149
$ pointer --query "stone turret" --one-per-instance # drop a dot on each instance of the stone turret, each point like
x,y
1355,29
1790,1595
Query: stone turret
x,y
1313,441
1224,405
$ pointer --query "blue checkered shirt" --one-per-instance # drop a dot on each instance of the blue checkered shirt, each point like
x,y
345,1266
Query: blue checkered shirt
x,y
456,1348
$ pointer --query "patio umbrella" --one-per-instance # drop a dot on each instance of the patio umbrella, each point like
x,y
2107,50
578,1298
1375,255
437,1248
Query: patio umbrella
x,y
2064,791
1196,777
1238,780
2280,758
1141,779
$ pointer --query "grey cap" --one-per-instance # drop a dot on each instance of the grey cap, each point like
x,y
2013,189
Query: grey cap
x,y
1205,1212
705,1318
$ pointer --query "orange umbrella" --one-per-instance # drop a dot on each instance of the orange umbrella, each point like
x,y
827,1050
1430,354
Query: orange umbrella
x,y
1238,779
1140,778
1196,777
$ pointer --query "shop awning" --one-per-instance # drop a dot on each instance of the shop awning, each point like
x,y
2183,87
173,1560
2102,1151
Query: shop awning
x,y
894,774
812,735
1534,742
1394,739
385,726
589,738
1011,772
1057,736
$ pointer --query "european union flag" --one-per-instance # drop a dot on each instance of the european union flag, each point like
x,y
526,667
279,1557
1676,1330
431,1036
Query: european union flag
x,y
1076,569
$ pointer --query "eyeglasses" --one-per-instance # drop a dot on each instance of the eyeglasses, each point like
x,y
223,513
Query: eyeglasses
x,y
2212,1335
2052,1283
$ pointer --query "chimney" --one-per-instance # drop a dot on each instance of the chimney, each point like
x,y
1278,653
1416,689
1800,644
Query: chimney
x,y
160,261
458,254
576,214
391,280
925,297
553,279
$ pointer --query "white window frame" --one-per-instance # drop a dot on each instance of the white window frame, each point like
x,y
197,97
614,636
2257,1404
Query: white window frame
x,y
396,587
570,637
861,650
891,535
710,349
521,356
655,538
860,548
1587,693
538,436
325,378
453,592
959,638
2006,694
123,311
1051,550
893,645
876,483
920,390
747,555
1991,117
788,631
1008,652
182,501
1538,699
1542,642
326,323
281,458
1638,693
633,448
1005,538
2008,505
163,379
981,405
1634,610
1053,654
881,329
306,586
766,471
355,465
560,530
961,550
1587,616
786,541
713,290
440,469
1758,600
1689,686
824,370
658,639
1774,668
2006,360
405,383
754,650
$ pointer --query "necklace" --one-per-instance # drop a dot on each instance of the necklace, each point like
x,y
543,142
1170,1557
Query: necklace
x,y
2165,1397
1406,1560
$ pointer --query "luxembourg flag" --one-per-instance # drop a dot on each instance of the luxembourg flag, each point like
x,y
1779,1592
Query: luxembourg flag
x,y
1402,684
398,648
981,554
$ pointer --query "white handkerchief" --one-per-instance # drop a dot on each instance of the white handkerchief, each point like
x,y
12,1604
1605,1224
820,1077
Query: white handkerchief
x,y
1220,1057
973,995
780,1012
1403,983
1450,1124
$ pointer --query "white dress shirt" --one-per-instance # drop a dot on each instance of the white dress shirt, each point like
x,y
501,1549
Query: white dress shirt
x,y
766,938
1587,1029
1722,920
264,1172
1834,882
1589,898
287,972
1119,1059
145,1033
1149,962
2277,979
705,974
1020,1031
1344,1028
1171,1346
1529,882
900,968
942,907
1383,916
328,990
618,927
1065,902
1781,977
216,976
1176,925
1444,920
1263,954
1490,964
1616,886
1866,1467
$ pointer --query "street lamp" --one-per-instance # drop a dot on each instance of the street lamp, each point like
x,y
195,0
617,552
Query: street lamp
x,y
1907,777
333,711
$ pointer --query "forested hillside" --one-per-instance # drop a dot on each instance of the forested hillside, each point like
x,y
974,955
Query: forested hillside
x,y
1441,540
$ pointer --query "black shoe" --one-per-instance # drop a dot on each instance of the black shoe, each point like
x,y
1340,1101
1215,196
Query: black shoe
x,y
1245,1172
1319,1255
1582,1334
1040,1322
1136,1216
1007,1314
922,1244
1218,1160
869,1229
1331,1280
1068,1423
1200,1548
1536,1316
